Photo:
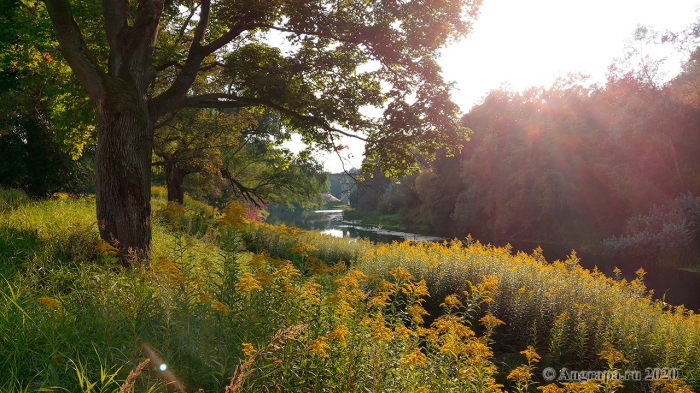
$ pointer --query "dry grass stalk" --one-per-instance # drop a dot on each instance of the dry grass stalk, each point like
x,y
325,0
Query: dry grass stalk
x,y
242,371
129,383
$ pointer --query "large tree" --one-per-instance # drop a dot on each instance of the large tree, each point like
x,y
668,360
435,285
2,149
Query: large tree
x,y
333,58
192,142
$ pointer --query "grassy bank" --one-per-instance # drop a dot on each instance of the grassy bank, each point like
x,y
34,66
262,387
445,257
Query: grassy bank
x,y
389,221
227,304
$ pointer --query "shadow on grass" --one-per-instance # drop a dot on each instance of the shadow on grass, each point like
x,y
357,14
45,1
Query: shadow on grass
x,y
17,246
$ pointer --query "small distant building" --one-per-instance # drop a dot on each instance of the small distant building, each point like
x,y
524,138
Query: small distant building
x,y
330,198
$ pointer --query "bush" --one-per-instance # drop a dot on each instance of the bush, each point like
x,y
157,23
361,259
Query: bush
x,y
666,236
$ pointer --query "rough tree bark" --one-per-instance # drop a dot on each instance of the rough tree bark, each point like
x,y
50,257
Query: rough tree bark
x,y
175,179
124,116
123,175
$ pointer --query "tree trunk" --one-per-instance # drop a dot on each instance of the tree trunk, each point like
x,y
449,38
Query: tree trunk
x,y
175,180
123,175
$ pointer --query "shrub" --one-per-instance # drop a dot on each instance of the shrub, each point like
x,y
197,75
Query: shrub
x,y
666,236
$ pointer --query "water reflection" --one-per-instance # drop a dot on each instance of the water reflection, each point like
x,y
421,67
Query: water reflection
x,y
331,222
678,287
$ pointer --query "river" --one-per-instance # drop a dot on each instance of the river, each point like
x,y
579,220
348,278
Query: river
x,y
678,286
331,222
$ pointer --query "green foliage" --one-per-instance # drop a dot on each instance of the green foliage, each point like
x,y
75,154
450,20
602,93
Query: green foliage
x,y
44,119
36,84
294,315
566,165
12,199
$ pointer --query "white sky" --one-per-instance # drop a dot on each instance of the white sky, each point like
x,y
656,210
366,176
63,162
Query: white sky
x,y
532,42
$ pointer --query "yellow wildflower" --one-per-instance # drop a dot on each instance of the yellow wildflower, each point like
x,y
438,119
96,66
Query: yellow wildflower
x,y
310,292
452,301
204,297
417,312
381,332
490,322
530,354
287,271
401,273
248,283
551,388
258,260
589,386
319,346
380,301
339,332
520,374
414,358
264,277
248,349
611,354
105,248
403,332
677,385
50,302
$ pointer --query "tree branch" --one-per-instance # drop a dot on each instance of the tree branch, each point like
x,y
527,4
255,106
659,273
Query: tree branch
x,y
188,73
115,13
248,194
76,53
167,65
187,21
233,101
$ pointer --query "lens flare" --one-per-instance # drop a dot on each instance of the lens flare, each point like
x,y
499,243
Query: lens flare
x,y
163,367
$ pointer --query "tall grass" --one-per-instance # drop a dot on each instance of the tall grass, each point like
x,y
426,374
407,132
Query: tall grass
x,y
565,311
307,312
281,240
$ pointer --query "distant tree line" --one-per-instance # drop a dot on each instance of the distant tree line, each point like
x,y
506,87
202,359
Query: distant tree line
x,y
611,169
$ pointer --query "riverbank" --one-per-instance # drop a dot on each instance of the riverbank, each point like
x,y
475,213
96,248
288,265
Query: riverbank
x,y
671,285
300,310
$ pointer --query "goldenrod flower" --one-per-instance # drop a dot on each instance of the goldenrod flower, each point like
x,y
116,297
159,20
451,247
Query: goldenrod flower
x,y
105,248
451,301
551,388
417,312
248,349
589,386
287,271
530,354
490,322
520,374
264,277
310,291
319,346
677,385
380,301
611,354
379,329
204,297
415,358
248,283
401,273
339,332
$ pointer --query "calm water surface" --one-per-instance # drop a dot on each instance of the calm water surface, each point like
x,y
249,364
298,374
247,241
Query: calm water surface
x,y
331,222
679,287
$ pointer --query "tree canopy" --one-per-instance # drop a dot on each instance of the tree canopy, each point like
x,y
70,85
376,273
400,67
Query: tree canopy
x,y
45,121
319,64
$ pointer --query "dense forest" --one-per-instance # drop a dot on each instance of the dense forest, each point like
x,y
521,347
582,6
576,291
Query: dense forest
x,y
612,168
